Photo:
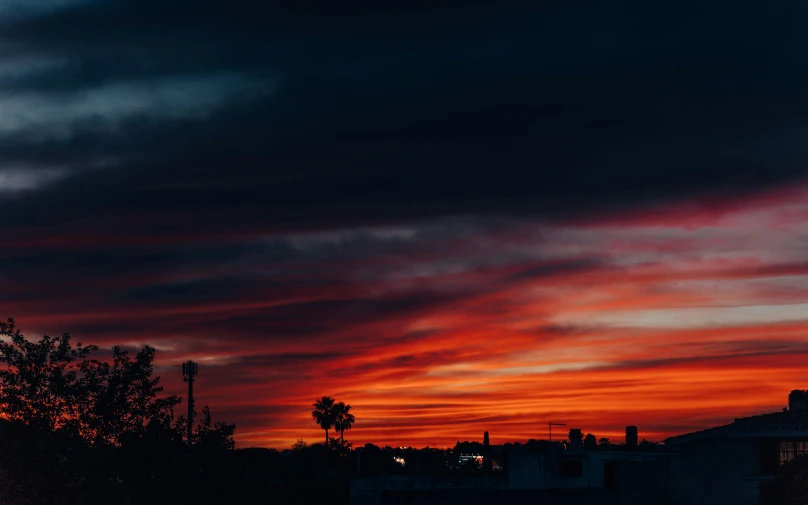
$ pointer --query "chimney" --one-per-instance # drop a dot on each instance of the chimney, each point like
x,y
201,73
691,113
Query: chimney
x,y
576,438
488,465
798,401
631,437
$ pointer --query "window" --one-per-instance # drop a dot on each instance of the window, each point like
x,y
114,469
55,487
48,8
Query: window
x,y
791,449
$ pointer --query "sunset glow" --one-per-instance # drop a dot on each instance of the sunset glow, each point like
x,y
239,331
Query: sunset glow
x,y
455,217
436,332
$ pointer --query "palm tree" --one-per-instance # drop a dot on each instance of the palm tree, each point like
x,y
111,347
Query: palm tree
x,y
324,414
344,420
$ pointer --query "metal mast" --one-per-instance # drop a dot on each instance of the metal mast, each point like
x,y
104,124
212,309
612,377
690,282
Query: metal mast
x,y
189,371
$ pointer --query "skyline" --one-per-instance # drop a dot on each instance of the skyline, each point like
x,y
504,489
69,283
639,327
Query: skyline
x,y
457,220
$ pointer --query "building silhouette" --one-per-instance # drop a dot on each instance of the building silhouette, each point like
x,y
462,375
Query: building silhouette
x,y
727,464
549,473
724,465
631,437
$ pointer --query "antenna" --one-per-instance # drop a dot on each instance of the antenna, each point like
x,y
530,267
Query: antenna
x,y
189,371
550,425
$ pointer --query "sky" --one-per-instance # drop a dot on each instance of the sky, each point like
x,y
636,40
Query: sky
x,y
457,218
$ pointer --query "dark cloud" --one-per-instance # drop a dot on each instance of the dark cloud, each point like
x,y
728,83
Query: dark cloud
x,y
559,268
789,354
563,330
338,313
249,180
551,109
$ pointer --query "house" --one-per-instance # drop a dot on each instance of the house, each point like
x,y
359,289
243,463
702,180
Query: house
x,y
726,465
549,473
627,473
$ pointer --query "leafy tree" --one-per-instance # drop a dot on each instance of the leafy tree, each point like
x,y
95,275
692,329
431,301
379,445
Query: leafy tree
x,y
79,430
214,436
604,443
324,414
339,446
51,385
207,435
645,445
590,443
40,385
343,419
121,398
468,448
299,445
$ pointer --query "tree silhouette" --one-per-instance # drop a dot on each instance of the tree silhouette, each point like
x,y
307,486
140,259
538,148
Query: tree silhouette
x,y
80,430
211,435
324,414
590,443
40,385
343,419
339,447
51,386
121,398
299,445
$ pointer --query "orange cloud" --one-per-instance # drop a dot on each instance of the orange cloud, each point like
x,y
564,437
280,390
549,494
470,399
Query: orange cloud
x,y
438,332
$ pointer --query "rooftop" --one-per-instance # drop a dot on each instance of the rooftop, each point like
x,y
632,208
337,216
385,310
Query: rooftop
x,y
778,424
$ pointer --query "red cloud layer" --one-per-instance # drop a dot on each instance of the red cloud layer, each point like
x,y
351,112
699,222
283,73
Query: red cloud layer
x,y
673,322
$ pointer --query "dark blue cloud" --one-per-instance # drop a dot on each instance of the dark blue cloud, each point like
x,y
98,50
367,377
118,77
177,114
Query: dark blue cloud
x,y
324,114
154,138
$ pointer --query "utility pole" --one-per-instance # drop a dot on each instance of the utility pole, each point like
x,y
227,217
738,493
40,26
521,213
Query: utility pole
x,y
189,371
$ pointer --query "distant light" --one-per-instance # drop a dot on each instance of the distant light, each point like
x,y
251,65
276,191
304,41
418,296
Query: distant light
x,y
398,460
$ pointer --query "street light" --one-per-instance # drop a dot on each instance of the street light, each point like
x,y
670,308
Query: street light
x,y
550,425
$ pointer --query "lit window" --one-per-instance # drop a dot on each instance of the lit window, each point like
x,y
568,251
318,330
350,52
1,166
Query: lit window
x,y
790,450
465,458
